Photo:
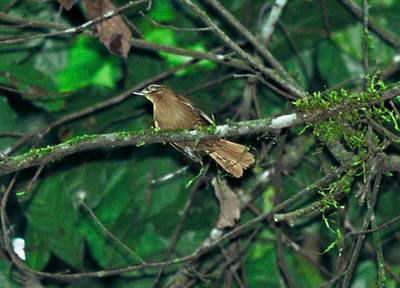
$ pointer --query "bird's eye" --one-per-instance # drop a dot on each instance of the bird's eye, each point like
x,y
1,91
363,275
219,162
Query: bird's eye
x,y
152,88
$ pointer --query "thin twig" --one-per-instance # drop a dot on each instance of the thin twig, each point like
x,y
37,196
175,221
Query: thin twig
x,y
210,83
376,239
277,180
29,23
29,187
371,201
325,18
188,258
73,30
365,39
155,23
252,39
35,95
267,72
268,27
294,48
179,227
376,229
109,234
218,58
385,36
11,134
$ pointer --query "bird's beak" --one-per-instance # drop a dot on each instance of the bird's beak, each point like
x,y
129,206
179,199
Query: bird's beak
x,y
141,93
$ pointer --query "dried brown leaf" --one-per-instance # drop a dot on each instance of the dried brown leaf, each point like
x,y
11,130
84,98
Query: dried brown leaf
x,y
113,32
229,204
67,4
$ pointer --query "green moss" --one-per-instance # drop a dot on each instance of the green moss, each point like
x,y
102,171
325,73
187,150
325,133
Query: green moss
x,y
329,203
127,134
39,152
155,130
347,114
80,139
345,118
211,128
124,134
141,143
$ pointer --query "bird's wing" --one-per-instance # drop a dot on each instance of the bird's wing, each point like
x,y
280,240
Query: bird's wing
x,y
201,113
187,150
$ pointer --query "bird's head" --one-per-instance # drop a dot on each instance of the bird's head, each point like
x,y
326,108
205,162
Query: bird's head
x,y
155,93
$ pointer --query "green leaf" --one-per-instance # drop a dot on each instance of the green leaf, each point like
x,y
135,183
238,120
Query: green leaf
x,y
162,10
365,274
37,87
140,281
161,36
263,267
5,279
88,64
306,31
51,206
37,248
8,116
129,216
150,244
307,274
332,64
9,122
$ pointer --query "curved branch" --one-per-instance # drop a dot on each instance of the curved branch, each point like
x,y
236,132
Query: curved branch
x,y
47,154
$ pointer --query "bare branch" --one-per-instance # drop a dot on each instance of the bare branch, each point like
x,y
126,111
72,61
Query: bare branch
x,y
268,28
73,30
390,39
267,72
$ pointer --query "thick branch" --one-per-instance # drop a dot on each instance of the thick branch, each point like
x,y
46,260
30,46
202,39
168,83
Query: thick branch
x,y
45,155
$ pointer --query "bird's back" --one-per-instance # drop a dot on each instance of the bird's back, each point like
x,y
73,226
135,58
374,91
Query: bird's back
x,y
180,115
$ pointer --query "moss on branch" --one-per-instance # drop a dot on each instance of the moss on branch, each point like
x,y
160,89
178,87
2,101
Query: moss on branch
x,y
41,156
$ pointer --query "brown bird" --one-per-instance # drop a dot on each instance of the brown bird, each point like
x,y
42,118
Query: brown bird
x,y
173,111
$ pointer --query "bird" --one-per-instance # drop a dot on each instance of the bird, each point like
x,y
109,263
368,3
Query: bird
x,y
173,111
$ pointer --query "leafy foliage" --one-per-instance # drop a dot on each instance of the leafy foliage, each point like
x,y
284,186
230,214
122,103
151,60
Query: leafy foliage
x,y
140,194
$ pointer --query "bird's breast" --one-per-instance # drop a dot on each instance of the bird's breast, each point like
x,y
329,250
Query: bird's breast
x,y
176,116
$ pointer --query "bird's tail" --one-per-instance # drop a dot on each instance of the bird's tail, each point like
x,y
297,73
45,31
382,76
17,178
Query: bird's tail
x,y
232,157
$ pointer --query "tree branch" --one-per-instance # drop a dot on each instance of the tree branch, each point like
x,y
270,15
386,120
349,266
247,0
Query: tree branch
x,y
252,39
267,72
47,154
42,156
354,9
73,30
